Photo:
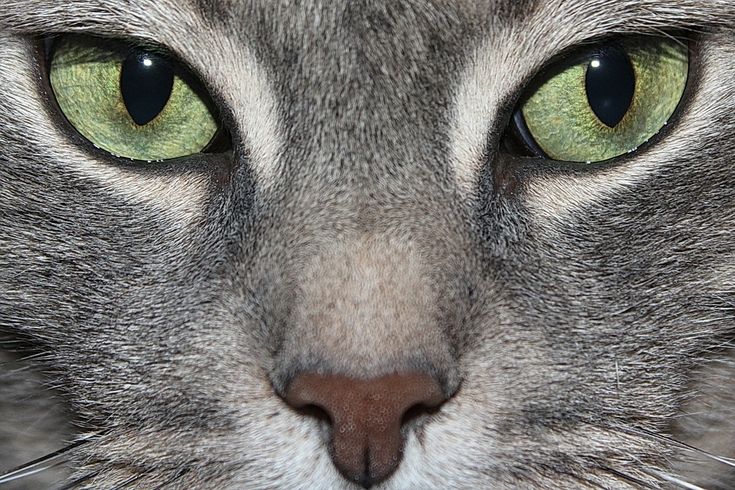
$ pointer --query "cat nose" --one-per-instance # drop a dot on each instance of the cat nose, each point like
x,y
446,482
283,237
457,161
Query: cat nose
x,y
366,417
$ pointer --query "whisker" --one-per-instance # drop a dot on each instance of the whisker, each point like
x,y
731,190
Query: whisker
x,y
678,481
584,481
14,372
31,357
587,482
44,463
682,445
28,472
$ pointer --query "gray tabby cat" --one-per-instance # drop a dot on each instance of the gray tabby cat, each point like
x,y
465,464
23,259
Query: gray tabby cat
x,y
378,279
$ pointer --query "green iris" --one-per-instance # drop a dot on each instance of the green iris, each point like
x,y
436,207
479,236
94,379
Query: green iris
x,y
580,115
87,79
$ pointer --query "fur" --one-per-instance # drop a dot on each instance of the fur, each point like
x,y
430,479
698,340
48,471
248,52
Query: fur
x,y
369,220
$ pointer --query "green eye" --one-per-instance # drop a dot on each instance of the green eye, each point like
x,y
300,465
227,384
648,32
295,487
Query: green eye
x,y
614,99
130,102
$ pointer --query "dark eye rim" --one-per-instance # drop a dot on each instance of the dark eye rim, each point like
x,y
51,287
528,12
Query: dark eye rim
x,y
513,146
220,147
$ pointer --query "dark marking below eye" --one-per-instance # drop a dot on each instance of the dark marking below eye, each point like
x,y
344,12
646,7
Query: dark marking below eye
x,y
146,83
610,85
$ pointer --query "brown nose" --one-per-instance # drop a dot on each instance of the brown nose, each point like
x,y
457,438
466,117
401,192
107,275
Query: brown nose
x,y
366,416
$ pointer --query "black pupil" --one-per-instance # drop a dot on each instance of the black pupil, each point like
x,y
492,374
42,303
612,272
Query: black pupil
x,y
146,82
610,84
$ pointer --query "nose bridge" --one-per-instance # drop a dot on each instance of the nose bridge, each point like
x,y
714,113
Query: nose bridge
x,y
365,307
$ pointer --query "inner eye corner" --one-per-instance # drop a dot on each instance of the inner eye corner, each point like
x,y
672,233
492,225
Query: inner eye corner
x,y
46,46
519,140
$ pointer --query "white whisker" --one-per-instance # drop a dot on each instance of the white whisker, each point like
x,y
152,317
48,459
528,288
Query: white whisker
x,y
726,461
677,481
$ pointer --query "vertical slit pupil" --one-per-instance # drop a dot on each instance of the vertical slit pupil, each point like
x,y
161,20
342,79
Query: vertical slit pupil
x,y
610,85
146,83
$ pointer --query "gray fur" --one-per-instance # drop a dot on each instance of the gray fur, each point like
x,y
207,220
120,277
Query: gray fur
x,y
576,318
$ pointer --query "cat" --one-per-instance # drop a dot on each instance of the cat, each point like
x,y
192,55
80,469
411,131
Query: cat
x,y
373,282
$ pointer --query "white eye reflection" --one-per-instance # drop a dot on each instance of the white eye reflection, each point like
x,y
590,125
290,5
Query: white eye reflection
x,y
147,62
593,64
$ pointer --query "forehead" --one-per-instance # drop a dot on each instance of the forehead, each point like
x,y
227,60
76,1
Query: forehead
x,y
355,31
351,13
406,16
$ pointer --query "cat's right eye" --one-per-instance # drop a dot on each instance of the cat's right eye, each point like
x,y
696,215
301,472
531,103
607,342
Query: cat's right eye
x,y
132,102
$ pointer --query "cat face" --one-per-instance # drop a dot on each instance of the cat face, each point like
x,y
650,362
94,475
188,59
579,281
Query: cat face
x,y
370,287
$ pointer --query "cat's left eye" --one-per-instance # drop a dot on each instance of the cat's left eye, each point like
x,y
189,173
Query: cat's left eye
x,y
604,103
132,102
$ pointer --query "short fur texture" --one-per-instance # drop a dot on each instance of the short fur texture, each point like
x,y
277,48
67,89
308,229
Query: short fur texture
x,y
369,221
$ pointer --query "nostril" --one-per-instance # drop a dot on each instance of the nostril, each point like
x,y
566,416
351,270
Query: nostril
x,y
314,412
418,412
366,416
